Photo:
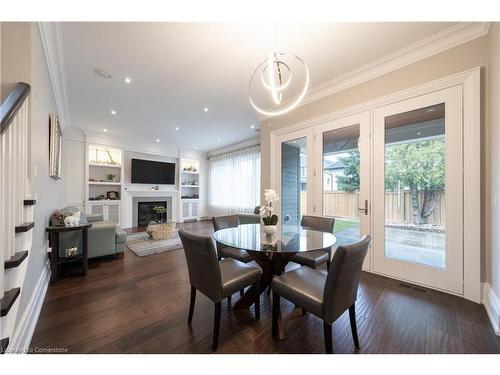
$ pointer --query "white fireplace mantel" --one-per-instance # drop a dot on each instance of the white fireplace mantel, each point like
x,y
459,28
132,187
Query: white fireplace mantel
x,y
130,194
152,193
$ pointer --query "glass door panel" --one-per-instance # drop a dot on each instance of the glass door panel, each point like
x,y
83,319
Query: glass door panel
x,y
415,168
293,180
341,181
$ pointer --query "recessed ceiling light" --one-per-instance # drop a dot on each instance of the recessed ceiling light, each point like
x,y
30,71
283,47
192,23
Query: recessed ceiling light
x,y
101,73
418,133
218,139
128,80
196,148
205,109
176,128
113,112
157,141
252,126
105,130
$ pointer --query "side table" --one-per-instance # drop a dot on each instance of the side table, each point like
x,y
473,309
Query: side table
x,y
55,260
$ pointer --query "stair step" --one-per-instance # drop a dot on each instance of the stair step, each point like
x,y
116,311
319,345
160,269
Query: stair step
x,y
16,259
9,297
4,343
24,227
29,202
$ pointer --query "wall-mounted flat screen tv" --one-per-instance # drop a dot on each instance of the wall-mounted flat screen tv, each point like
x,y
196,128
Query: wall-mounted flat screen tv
x,y
152,172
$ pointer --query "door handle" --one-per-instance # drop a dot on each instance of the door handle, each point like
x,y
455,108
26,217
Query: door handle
x,y
365,209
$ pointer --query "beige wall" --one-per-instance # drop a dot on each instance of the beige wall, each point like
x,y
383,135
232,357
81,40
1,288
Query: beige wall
x,y
455,60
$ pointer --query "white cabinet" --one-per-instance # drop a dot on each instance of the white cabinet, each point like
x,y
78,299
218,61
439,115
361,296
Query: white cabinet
x,y
190,209
109,210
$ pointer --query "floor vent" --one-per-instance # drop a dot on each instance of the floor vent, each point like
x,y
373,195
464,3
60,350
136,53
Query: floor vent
x,y
414,287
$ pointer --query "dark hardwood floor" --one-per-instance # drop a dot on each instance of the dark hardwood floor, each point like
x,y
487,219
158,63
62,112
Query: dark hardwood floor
x,y
140,305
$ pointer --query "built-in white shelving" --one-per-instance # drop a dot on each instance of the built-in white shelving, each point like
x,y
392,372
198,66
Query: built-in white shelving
x,y
104,180
189,185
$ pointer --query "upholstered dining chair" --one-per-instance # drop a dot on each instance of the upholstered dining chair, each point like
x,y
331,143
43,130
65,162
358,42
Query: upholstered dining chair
x,y
230,221
326,296
215,279
314,259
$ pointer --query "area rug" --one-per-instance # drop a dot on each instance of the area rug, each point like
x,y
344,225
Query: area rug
x,y
149,247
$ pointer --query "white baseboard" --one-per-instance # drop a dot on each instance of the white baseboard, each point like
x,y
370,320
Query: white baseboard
x,y
23,334
492,305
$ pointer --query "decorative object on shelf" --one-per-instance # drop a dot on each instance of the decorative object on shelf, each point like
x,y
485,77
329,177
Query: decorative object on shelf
x,y
55,148
156,188
279,83
113,195
73,220
266,211
92,180
71,252
190,169
101,197
110,177
194,196
161,214
57,220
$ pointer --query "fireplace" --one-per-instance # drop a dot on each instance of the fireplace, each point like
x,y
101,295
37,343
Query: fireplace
x,y
145,213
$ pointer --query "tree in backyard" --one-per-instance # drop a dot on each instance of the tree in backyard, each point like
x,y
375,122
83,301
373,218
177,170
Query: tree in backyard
x,y
418,166
350,180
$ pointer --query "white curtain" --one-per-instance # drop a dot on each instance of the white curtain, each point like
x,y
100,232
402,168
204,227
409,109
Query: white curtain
x,y
234,181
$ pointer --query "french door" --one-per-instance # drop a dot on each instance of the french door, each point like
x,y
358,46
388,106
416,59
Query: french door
x,y
417,190
342,177
395,172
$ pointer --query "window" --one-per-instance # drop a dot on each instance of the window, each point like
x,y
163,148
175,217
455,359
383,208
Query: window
x,y
234,181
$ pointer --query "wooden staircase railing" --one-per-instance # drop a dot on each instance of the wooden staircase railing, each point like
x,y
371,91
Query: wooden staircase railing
x,y
16,206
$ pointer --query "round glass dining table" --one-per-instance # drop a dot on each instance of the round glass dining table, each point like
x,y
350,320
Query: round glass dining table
x,y
271,252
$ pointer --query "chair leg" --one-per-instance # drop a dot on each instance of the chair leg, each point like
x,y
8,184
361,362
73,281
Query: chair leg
x,y
327,330
229,301
242,291
328,265
304,312
217,314
276,311
191,304
354,330
257,302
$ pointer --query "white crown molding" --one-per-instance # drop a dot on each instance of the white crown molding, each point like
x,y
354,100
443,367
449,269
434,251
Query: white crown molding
x,y
451,37
51,35
492,305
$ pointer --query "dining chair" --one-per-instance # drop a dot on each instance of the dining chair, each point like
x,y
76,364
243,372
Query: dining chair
x,y
215,279
325,295
256,210
314,259
230,221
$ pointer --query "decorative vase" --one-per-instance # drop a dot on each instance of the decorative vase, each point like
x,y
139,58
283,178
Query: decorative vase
x,y
270,229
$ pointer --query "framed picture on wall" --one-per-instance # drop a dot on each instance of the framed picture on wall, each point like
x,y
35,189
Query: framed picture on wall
x,y
55,141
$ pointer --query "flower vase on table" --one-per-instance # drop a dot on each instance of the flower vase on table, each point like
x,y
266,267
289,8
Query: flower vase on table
x,y
266,211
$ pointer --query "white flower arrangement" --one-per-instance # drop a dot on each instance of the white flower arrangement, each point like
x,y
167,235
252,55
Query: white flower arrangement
x,y
266,210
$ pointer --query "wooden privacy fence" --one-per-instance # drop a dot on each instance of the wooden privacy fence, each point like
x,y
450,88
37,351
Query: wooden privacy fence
x,y
397,206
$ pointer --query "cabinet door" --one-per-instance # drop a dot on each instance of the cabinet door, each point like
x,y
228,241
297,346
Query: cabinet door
x,y
185,210
194,209
97,209
114,213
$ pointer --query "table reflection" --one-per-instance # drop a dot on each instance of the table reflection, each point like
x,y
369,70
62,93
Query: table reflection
x,y
288,239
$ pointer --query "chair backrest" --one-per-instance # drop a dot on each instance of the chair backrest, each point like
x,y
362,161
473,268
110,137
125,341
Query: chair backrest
x,y
203,266
341,286
322,224
256,210
223,222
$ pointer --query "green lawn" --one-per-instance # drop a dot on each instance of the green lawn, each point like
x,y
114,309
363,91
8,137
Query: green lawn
x,y
340,225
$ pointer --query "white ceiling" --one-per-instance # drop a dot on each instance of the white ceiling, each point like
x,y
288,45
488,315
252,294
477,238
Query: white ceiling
x,y
177,69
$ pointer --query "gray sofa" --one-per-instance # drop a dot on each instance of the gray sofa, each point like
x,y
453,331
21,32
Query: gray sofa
x,y
104,238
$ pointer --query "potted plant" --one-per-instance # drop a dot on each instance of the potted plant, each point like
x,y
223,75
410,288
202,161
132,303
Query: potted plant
x,y
160,212
266,211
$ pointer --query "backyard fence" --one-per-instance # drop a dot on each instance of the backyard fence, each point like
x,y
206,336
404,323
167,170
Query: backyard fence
x,y
397,206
